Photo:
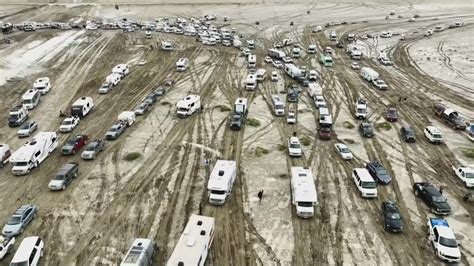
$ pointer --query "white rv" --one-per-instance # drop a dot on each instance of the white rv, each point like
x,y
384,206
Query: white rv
x,y
325,118
114,78
252,61
278,105
140,253
128,117
194,244
293,71
261,74
251,82
314,89
82,107
29,252
182,64
148,34
369,74
31,98
188,105
251,44
295,53
311,49
33,152
42,84
221,181
303,191
166,46
277,54
333,36
121,69
361,109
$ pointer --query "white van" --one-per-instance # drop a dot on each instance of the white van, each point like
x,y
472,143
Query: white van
x,y
166,46
121,69
114,78
433,134
221,181
274,75
82,106
31,98
29,252
128,117
182,64
251,82
42,84
295,53
303,191
252,61
369,74
311,49
364,182
188,105
278,105
261,74
313,75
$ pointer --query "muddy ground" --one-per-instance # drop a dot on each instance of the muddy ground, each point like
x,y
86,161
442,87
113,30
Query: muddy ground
x,y
114,201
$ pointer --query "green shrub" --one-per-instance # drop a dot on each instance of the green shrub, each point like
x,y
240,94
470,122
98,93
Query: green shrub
x,y
132,156
305,141
259,151
281,147
468,152
253,122
165,103
223,108
384,125
348,125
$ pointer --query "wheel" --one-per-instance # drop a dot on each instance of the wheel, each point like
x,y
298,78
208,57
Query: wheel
x,y
34,215
416,192
63,187
73,152
42,253
21,230
75,174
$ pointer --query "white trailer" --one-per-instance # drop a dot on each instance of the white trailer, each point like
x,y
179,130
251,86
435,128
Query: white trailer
x,y
293,71
314,89
43,85
369,74
252,61
221,181
188,105
82,107
261,74
194,244
121,69
240,106
277,54
325,118
140,253
251,82
128,117
31,98
114,78
303,191
278,106
182,64
33,152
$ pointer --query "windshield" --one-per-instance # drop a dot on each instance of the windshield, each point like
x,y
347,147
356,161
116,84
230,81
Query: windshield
x,y
409,133
368,128
71,142
369,184
113,129
14,220
437,136
77,108
305,204
25,126
183,109
448,242
27,101
15,116
20,164
90,147
361,110
439,199
470,175
345,150
59,177
218,192
393,216
381,172
278,107
67,122
294,146
22,263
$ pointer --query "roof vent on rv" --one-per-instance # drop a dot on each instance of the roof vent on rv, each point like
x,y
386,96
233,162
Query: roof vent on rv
x,y
83,98
199,222
190,242
203,232
139,244
33,142
221,172
180,263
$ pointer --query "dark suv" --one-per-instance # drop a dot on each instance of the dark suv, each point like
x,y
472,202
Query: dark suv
x,y
432,197
292,95
64,176
392,220
237,121
366,129
378,172
407,134
392,114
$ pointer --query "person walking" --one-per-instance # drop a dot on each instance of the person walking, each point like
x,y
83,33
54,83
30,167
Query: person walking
x,y
260,195
441,190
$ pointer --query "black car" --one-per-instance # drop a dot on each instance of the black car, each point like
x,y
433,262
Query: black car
x,y
303,81
392,114
392,220
160,91
151,98
292,95
407,134
378,172
366,129
237,121
432,197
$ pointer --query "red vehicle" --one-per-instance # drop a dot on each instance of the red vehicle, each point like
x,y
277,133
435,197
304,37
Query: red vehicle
x,y
74,144
325,133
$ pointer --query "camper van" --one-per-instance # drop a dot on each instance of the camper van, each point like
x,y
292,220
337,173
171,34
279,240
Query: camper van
x,y
82,107
251,82
114,78
326,60
127,117
364,182
221,181
361,109
333,36
182,64
31,98
29,26
42,85
277,54
369,74
313,75
303,191
251,44
140,253
188,105
33,152
148,34
121,69
325,118
314,89
252,61
29,252
295,53
293,71
261,74
166,46
311,49
278,105
5,154
195,241
17,116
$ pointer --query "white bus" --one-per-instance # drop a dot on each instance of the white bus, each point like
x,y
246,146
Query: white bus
x,y
303,191
221,181
31,98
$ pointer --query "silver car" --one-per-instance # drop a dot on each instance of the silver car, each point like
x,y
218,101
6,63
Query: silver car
x,y
27,129
142,108
19,220
92,149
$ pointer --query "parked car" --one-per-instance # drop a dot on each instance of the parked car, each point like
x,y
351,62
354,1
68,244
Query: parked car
x,y
141,108
160,91
378,172
343,151
292,95
19,220
392,114
392,219
92,149
355,65
74,144
27,129
64,176
151,98
408,134
294,147
366,129
69,124
277,64
237,121
325,133
267,59
106,87
6,245
115,131
432,197
380,84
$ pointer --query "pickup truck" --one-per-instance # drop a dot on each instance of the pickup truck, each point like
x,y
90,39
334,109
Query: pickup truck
x,y
238,120
6,245
466,174
443,240
450,117
432,197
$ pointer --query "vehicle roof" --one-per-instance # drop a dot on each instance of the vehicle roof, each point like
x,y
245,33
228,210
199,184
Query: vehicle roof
x,y
83,100
390,207
221,174
366,124
341,145
364,175
294,140
303,183
136,251
26,151
433,129
188,100
29,93
24,250
22,209
445,232
41,81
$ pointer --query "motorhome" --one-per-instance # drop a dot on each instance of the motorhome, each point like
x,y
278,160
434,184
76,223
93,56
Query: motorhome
x,y
369,74
140,253
325,118
293,71
29,252
278,106
303,191
82,107
311,49
188,105
333,36
195,241
121,69
182,64
261,74
148,34
361,110
326,60
166,46
314,89
29,26
221,181
17,116
252,61
356,54
127,117
277,54
5,154
33,152
274,76
295,53
42,84
31,98
251,44
114,78
313,75
251,82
